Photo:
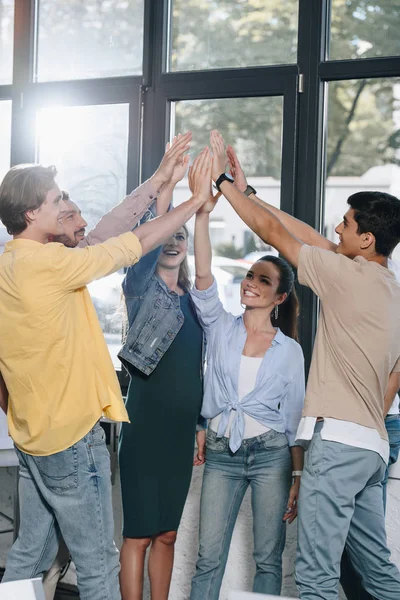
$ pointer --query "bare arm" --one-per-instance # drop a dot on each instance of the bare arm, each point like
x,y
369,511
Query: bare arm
x,y
392,389
3,395
202,252
297,453
202,242
260,220
301,230
264,223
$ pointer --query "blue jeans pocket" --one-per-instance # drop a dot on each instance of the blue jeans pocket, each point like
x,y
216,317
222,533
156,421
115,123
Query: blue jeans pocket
x,y
214,443
273,440
59,472
97,435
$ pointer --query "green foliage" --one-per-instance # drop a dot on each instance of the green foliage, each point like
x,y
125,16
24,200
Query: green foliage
x,y
209,34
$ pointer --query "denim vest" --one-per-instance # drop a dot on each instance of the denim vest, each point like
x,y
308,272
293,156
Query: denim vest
x,y
154,316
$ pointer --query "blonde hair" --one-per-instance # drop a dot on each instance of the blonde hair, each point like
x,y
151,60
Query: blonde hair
x,y
184,280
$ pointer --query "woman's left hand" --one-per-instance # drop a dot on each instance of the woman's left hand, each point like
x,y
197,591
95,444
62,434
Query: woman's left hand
x,y
200,457
291,511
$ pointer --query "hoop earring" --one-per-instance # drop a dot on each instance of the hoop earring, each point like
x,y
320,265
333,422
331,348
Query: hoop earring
x,y
276,312
243,306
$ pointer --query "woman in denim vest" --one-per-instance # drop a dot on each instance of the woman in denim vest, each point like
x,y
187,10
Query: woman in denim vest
x,y
163,355
253,396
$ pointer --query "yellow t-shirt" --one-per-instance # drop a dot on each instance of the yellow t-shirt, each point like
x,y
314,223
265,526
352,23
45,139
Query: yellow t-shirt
x,y
53,356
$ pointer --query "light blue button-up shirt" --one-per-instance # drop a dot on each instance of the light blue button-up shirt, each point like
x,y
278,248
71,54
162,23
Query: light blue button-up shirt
x,y
278,396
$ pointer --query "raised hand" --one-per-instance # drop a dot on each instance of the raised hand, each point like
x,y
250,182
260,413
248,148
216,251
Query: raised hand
x,y
236,169
211,202
174,159
220,160
200,176
181,166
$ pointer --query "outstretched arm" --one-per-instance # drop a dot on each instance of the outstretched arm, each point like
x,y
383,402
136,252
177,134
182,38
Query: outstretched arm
x,y
301,230
126,215
202,242
261,220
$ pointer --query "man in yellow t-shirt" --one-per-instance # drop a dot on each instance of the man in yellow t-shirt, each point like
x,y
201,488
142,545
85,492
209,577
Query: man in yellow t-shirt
x,y
60,377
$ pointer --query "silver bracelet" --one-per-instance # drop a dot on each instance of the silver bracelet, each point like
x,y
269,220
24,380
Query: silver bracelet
x,y
297,473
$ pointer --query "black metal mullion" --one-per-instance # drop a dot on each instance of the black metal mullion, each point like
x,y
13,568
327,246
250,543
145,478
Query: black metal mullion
x,y
255,81
74,93
364,68
313,36
134,142
22,130
155,114
289,146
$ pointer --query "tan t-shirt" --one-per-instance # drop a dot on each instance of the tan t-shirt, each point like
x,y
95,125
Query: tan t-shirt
x,y
358,338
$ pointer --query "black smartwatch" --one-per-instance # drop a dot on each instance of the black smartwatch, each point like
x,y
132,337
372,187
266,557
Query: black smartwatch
x,y
223,177
250,190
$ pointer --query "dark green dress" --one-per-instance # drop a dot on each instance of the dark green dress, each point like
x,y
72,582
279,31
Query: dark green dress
x,y
156,448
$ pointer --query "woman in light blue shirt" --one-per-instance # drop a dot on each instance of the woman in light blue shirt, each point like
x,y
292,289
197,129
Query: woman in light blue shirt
x,y
253,397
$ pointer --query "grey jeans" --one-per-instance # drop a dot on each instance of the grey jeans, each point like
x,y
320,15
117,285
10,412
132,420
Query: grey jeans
x,y
341,498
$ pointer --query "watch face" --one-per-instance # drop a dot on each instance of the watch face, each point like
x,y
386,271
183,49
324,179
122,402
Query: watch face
x,y
229,177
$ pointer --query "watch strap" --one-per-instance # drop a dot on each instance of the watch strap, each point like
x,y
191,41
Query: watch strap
x,y
221,178
249,190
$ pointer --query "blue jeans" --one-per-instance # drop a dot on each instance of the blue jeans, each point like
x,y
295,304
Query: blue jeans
x,y
68,493
264,464
341,503
351,582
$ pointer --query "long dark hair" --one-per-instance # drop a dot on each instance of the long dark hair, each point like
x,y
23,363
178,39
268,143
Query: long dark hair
x,y
288,311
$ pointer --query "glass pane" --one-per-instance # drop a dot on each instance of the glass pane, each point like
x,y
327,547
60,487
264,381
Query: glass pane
x,y
364,29
213,35
89,146
5,150
363,144
6,40
79,40
253,126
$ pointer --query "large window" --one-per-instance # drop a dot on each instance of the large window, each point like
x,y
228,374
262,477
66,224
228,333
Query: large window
x,y
364,29
6,40
254,127
5,138
89,146
78,40
5,145
213,35
363,143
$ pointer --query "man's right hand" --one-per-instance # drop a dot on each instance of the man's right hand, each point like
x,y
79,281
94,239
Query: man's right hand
x,y
173,157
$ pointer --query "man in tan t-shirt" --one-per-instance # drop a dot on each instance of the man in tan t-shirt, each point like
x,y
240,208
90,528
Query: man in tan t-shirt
x,y
356,353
